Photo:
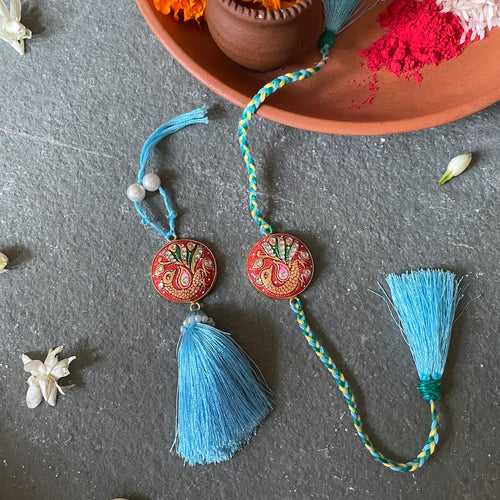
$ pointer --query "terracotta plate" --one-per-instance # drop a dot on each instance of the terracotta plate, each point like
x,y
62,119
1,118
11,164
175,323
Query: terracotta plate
x,y
324,103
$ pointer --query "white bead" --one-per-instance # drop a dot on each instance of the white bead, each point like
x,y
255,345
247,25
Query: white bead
x,y
151,182
135,192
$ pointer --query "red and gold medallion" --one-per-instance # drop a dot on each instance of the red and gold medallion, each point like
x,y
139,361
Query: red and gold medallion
x,y
280,266
184,271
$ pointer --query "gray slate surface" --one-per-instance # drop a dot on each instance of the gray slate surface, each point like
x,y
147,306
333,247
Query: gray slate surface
x,y
75,111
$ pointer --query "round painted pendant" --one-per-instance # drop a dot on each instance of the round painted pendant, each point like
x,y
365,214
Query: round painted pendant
x,y
184,271
280,266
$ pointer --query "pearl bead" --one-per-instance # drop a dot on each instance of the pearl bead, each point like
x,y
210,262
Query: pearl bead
x,y
135,192
151,182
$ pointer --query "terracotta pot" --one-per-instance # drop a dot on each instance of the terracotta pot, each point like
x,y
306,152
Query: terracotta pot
x,y
261,39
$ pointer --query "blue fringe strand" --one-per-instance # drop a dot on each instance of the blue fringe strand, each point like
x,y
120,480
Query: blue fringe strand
x,y
221,400
425,302
338,12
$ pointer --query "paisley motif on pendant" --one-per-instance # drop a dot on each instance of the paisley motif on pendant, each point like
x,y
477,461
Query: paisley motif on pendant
x,y
183,271
280,266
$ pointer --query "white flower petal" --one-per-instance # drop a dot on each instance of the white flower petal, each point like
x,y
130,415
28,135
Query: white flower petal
x,y
15,9
3,10
35,367
61,369
59,388
51,394
34,395
25,358
59,372
51,359
44,386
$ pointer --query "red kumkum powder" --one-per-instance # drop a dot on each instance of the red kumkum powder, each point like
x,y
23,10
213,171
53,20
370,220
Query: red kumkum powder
x,y
418,34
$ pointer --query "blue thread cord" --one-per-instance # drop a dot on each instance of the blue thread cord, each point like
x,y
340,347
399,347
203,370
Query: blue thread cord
x,y
170,127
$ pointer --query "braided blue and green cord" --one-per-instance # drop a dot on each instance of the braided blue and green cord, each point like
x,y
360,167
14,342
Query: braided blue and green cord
x,y
251,109
427,392
429,389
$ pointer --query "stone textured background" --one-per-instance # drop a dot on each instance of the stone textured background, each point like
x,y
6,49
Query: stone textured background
x,y
75,111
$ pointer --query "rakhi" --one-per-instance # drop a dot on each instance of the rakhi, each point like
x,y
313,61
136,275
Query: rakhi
x,y
280,266
221,397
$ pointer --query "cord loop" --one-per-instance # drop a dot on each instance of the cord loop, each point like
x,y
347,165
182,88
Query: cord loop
x,y
196,116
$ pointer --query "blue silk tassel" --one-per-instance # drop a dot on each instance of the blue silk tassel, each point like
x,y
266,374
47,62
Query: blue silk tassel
x,y
221,399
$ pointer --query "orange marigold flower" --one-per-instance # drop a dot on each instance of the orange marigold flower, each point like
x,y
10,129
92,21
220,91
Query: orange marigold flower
x,y
190,9
194,9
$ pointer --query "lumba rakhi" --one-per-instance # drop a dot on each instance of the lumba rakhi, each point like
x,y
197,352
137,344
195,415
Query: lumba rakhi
x,y
221,396
280,266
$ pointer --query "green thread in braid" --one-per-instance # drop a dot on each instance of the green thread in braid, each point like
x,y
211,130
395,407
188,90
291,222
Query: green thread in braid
x,y
430,389
432,440
327,41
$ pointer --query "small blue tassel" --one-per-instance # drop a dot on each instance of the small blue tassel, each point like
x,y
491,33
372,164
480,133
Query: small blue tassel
x,y
425,302
338,13
221,400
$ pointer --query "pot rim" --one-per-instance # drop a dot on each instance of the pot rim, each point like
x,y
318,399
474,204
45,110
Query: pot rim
x,y
266,16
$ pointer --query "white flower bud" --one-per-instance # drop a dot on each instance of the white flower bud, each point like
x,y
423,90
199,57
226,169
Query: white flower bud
x,y
456,166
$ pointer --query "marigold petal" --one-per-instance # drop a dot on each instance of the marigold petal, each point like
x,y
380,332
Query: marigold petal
x,y
188,10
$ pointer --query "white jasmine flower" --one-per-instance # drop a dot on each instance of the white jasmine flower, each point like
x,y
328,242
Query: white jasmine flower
x,y
456,166
4,260
11,29
42,383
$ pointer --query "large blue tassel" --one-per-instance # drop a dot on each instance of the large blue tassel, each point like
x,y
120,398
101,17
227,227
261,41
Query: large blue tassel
x,y
425,302
221,400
